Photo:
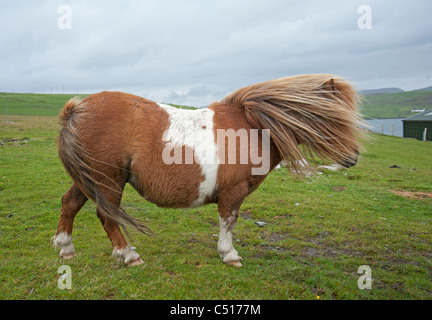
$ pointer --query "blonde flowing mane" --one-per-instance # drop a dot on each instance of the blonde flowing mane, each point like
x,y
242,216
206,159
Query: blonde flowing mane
x,y
307,115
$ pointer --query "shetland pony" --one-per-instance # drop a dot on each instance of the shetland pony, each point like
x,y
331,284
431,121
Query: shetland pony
x,y
111,138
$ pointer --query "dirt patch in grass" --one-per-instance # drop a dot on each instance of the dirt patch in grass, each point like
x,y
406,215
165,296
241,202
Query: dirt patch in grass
x,y
14,142
413,195
319,252
338,188
246,215
322,250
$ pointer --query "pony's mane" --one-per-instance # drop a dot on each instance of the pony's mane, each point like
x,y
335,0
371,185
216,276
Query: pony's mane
x,y
307,115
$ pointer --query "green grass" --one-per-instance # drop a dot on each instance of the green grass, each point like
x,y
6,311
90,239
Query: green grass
x,y
395,105
33,103
40,104
318,233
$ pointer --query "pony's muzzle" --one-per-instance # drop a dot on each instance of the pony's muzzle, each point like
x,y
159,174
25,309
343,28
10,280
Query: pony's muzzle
x,y
352,162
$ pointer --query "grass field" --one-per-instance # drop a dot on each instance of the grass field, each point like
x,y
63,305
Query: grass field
x,y
318,232
384,106
39,104
33,103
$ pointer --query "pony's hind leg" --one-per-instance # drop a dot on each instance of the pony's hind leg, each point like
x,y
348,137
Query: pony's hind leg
x,y
72,202
122,251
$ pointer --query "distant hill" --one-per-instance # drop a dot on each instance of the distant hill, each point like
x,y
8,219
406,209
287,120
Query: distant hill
x,y
376,104
396,105
381,91
424,89
35,104
368,92
180,106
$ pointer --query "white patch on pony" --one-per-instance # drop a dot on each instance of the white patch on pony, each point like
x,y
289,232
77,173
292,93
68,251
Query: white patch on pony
x,y
64,241
194,129
226,249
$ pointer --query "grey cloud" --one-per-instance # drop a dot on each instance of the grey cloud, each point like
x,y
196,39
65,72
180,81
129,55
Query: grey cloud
x,y
194,52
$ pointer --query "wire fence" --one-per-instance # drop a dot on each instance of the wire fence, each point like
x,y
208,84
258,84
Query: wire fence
x,y
390,127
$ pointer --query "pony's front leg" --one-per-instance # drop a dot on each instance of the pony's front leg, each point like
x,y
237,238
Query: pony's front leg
x,y
229,202
226,249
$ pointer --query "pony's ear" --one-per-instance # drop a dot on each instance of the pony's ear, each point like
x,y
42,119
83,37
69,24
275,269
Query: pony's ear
x,y
329,85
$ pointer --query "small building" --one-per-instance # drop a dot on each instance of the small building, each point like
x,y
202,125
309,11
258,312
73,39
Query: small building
x,y
418,126
415,110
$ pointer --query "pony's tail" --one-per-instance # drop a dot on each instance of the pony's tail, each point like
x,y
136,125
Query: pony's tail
x,y
76,160
314,114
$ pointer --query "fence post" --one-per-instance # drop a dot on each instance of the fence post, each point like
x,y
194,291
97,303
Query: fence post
x,y
382,129
393,129
424,134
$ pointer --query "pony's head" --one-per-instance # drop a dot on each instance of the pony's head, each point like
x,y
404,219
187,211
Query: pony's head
x,y
308,116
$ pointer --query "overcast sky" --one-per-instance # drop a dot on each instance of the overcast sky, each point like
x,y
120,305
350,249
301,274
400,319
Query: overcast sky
x,y
194,52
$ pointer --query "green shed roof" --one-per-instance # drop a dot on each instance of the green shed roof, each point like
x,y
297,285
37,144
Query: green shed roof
x,y
424,116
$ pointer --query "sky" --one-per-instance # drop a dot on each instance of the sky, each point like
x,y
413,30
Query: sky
x,y
194,52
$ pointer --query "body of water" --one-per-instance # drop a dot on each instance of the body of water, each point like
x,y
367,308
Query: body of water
x,y
391,126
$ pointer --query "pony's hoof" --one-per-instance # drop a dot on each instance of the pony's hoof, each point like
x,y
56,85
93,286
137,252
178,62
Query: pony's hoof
x,y
128,256
135,263
236,263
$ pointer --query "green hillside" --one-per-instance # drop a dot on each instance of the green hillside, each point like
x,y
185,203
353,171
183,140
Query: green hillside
x,y
34,104
391,105
395,105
